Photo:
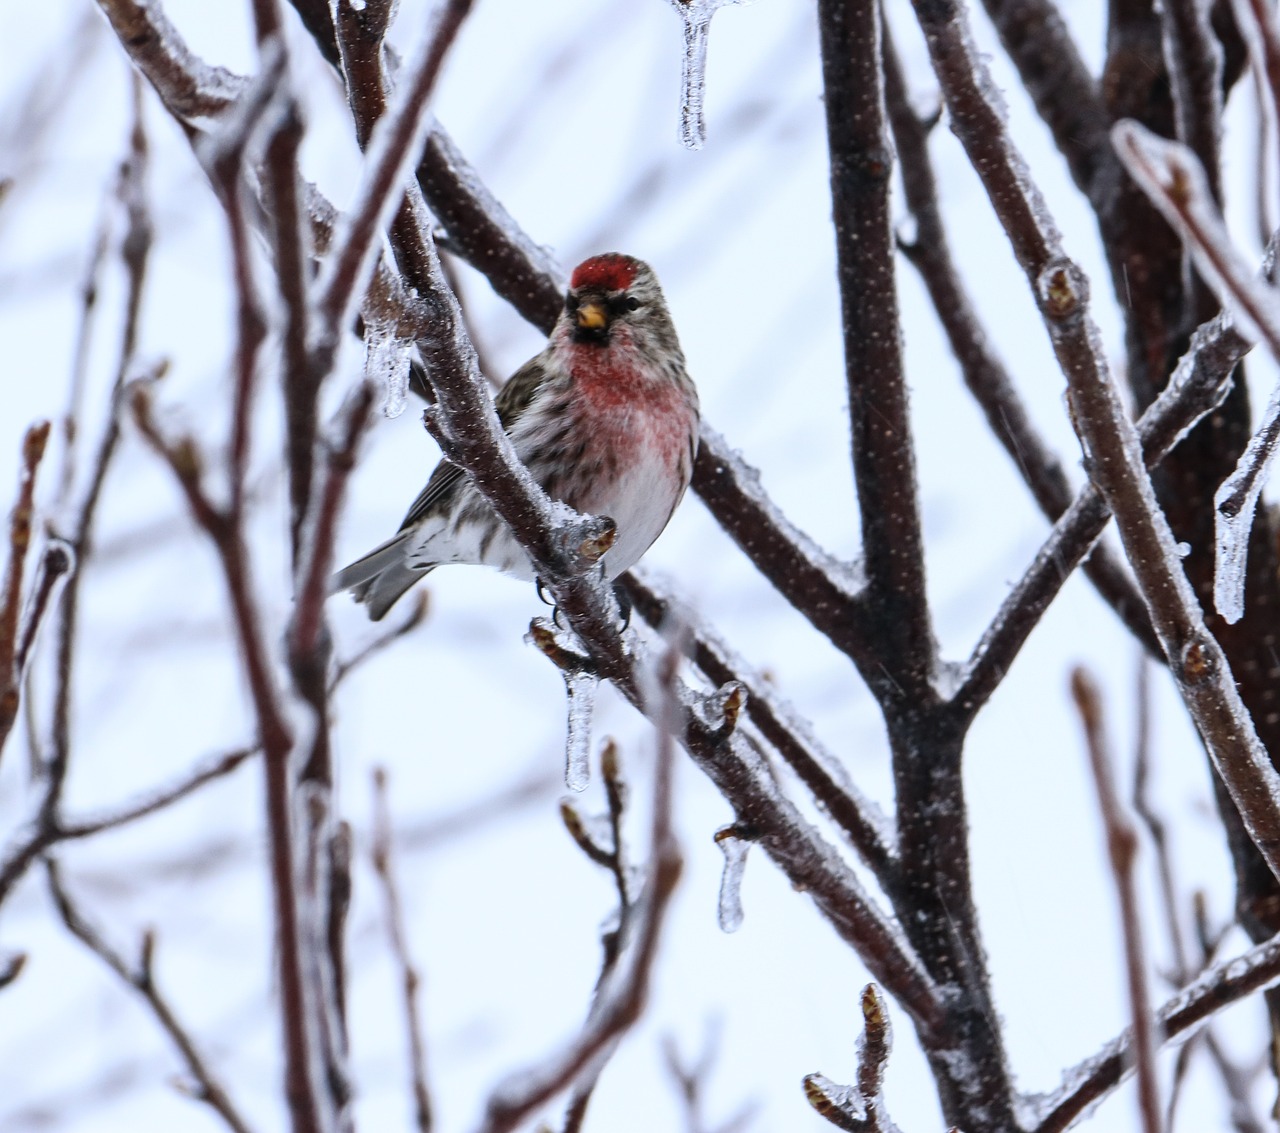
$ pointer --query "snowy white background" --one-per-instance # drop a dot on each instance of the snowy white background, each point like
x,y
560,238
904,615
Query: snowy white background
x,y
568,109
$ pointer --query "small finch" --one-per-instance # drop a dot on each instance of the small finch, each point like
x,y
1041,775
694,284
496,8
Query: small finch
x,y
605,419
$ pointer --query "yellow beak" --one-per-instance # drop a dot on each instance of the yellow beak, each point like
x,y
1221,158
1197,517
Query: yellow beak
x,y
592,316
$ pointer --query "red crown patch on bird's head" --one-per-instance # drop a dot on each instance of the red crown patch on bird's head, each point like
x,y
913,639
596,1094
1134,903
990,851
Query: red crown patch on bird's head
x,y
610,272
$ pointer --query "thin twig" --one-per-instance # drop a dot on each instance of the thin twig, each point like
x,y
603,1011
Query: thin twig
x,y
142,979
396,933
984,373
621,997
1216,988
1122,850
393,148
20,521
859,1108
1199,383
869,830
417,614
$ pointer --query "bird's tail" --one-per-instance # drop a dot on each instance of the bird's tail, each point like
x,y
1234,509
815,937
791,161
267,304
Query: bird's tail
x,y
379,578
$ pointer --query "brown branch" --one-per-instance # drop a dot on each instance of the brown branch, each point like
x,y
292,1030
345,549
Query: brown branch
x,y
212,769
1261,30
135,251
1196,659
189,87
869,831
141,978
46,829
883,453
1218,987
20,519
1122,850
859,1108
417,614
322,520
621,996
1199,384
1066,96
1194,63
396,933
277,744
983,371
391,150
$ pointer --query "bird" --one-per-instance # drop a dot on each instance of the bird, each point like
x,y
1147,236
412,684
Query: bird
x,y
605,418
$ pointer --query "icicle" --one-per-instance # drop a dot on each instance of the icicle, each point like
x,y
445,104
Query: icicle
x,y
734,847
1235,503
696,15
580,689
386,362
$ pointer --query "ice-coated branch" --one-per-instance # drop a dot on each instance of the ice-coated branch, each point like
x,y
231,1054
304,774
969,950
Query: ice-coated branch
x,y
1175,181
1122,850
1055,75
304,1091
44,831
868,829
188,86
393,148
822,589
11,590
623,989
882,449
141,977
1218,987
1197,661
1198,385
135,252
984,373
1260,27
1193,59
860,1108
397,934
316,559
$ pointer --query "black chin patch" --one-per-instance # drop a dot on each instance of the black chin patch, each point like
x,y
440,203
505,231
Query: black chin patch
x,y
596,336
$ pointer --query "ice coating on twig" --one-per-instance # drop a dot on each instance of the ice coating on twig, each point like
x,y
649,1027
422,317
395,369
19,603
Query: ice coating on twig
x,y
1173,178
580,692
386,365
734,848
1175,181
1234,505
696,16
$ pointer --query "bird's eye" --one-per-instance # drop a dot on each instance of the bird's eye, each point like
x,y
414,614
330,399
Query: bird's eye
x,y
571,303
633,304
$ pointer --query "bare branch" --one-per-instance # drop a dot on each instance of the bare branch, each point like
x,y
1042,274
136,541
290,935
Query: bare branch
x,y
883,454
396,933
141,978
392,149
1198,385
859,1108
621,996
1122,849
215,768
869,831
1223,984
20,519
983,371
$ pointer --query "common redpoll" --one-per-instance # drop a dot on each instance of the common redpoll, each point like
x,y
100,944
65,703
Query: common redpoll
x,y
605,418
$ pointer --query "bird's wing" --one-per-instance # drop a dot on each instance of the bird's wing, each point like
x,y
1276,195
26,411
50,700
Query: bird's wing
x,y
442,480
512,400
